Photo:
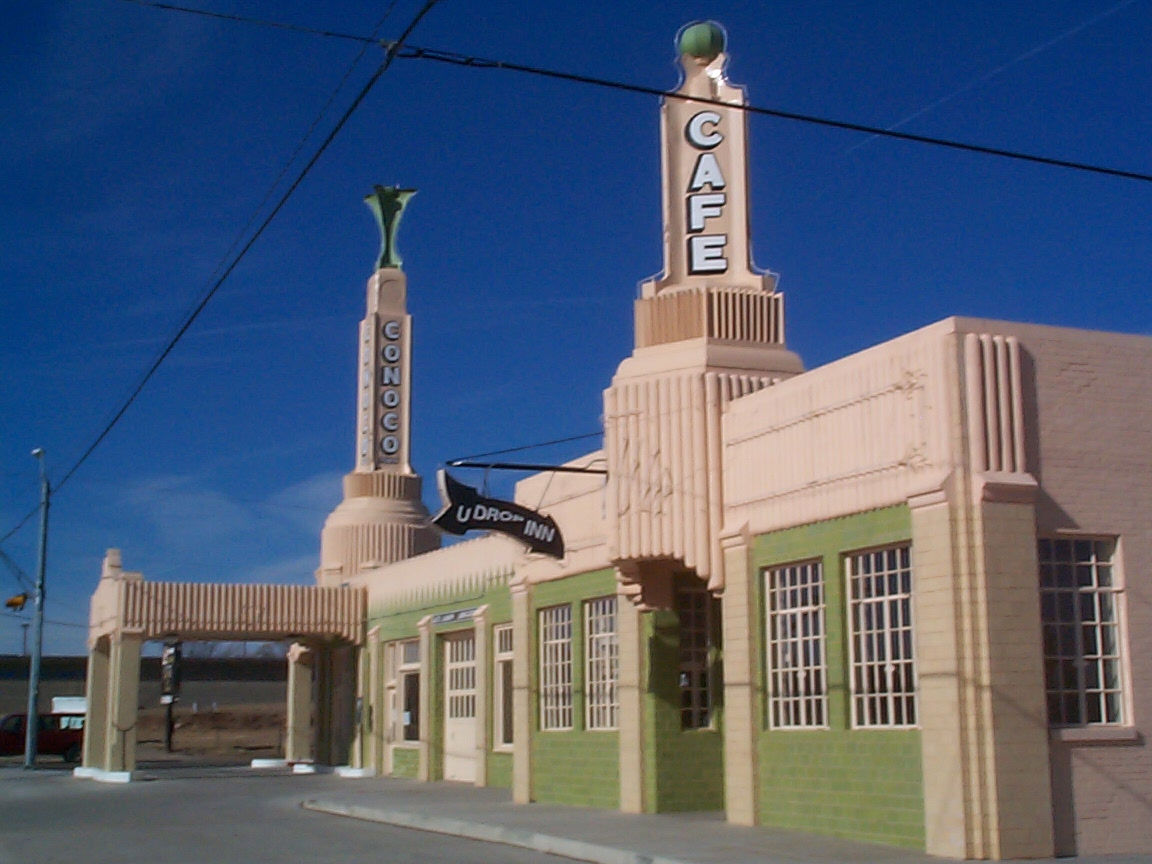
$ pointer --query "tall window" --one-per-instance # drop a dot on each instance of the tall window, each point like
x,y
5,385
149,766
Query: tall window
x,y
880,638
797,667
404,689
1079,600
502,692
697,636
601,663
556,668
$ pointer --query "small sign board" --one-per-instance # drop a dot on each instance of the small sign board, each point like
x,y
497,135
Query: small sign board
x,y
465,509
457,615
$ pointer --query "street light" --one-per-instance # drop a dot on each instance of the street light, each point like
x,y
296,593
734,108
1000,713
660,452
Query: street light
x,y
32,717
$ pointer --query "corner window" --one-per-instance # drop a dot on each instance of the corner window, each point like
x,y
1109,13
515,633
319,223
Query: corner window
x,y
880,640
795,640
1079,609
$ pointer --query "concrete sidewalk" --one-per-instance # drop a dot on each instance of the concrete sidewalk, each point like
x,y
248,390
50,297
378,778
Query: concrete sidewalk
x,y
603,836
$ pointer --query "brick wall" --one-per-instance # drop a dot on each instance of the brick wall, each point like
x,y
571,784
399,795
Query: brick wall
x,y
576,766
1091,405
864,784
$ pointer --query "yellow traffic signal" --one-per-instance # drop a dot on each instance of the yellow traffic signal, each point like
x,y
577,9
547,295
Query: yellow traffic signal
x,y
17,602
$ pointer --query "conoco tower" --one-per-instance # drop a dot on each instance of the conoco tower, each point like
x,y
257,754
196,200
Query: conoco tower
x,y
381,518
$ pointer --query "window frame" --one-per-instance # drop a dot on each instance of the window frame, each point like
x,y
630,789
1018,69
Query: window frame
x,y
555,692
787,706
502,706
1079,661
876,704
402,667
601,664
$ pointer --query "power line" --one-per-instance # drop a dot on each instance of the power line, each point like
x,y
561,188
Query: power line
x,y
17,572
456,59
597,434
27,517
413,52
24,619
390,56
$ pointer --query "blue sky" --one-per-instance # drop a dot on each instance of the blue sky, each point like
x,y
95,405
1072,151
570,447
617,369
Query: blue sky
x,y
136,145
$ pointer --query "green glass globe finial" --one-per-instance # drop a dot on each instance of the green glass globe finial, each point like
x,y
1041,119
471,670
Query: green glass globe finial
x,y
703,40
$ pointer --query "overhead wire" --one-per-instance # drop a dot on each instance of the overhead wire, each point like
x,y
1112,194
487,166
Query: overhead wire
x,y
407,52
391,53
399,49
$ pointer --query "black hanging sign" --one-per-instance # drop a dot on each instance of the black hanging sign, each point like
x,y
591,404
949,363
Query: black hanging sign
x,y
465,509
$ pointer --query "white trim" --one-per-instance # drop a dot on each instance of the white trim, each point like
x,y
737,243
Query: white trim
x,y
102,776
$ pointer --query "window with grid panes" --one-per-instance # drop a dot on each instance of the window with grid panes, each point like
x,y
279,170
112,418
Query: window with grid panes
x,y
880,641
502,692
601,663
1079,610
556,668
695,611
795,639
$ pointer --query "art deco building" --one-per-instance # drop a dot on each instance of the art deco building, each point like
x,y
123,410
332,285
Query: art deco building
x,y
905,597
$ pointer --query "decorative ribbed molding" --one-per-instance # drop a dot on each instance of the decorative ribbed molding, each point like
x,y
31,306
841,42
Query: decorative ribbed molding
x,y
381,484
370,544
456,571
995,403
729,314
380,520
663,446
460,589
157,610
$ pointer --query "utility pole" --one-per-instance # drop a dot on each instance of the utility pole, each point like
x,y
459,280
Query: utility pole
x,y
32,717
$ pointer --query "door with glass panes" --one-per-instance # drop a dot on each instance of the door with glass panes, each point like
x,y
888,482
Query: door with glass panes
x,y
460,707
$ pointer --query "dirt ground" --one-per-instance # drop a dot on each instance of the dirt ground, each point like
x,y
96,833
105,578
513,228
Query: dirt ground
x,y
240,732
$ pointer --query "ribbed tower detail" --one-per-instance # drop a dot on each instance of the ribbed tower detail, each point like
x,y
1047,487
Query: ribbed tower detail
x,y
382,518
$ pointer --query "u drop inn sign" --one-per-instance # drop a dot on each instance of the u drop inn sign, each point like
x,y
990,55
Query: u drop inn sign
x,y
465,509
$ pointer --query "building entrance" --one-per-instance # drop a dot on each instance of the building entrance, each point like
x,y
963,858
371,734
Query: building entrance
x,y
460,707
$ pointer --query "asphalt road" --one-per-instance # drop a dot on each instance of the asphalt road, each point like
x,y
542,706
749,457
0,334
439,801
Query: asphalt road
x,y
205,815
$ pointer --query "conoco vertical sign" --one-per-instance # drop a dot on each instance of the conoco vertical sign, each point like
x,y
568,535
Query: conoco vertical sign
x,y
391,378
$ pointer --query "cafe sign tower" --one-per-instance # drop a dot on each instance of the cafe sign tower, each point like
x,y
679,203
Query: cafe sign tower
x,y
709,328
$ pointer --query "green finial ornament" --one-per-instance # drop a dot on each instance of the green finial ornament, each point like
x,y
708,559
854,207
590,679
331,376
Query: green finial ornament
x,y
387,204
703,40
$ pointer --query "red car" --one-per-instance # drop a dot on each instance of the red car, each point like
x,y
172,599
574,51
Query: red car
x,y
60,735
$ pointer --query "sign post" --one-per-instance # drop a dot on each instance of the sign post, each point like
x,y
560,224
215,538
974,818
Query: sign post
x,y
169,687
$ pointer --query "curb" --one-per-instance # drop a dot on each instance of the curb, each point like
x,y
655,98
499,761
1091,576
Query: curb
x,y
563,846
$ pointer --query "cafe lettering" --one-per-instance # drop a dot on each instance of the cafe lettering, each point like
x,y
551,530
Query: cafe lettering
x,y
706,196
